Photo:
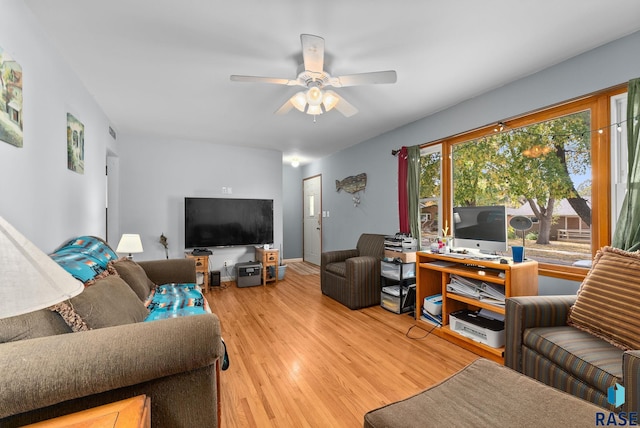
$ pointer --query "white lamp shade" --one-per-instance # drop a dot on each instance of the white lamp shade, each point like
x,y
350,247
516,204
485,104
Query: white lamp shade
x,y
31,280
129,243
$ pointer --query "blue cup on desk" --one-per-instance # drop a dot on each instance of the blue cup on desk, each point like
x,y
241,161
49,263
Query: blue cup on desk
x,y
517,252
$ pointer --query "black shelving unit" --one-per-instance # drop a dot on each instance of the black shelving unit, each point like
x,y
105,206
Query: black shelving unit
x,y
404,276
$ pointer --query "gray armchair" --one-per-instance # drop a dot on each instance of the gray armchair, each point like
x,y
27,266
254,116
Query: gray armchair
x,y
352,277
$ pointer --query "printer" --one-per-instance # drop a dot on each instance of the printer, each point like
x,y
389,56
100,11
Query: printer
x,y
478,327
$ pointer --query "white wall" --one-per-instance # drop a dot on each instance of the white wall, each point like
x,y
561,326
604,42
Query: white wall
x,y
150,176
292,212
157,174
39,196
378,208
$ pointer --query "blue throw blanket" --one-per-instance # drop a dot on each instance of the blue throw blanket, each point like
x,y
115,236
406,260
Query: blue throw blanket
x,y
176,300
84,257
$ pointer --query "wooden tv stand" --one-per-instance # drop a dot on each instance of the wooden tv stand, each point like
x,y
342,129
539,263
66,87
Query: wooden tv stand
x,y
433,273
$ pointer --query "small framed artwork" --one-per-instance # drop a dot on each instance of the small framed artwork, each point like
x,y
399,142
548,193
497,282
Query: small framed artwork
x,y
75,144
10,100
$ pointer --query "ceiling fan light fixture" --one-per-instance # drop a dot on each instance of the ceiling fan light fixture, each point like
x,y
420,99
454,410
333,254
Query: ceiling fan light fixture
x,y
329,100
314,96
314,110
299,101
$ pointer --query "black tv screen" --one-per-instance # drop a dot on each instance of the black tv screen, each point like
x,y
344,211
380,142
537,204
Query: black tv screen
x,y
225,222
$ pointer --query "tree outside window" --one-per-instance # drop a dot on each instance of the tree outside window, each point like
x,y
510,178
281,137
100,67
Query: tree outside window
x,y
542,171
430,195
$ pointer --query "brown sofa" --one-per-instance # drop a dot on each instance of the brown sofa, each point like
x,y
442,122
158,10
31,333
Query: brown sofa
x,y
352,277
49,371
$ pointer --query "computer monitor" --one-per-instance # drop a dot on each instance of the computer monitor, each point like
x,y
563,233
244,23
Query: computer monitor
x,y
480,229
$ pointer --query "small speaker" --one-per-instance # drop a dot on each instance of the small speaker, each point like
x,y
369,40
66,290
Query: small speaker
x,y
214,278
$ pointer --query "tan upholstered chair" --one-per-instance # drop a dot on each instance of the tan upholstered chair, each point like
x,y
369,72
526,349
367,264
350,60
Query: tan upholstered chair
x,y
352,277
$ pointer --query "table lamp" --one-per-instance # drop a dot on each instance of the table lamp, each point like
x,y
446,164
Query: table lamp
x,y
129,243
31,280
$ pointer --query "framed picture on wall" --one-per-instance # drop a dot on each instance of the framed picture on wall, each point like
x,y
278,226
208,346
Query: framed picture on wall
x,y
75,144
10,100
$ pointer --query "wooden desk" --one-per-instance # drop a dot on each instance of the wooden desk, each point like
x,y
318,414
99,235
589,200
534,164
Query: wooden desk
x,y
130,413
433,273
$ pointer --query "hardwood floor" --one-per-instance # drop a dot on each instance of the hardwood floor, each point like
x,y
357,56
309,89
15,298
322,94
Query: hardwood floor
x,y
301,359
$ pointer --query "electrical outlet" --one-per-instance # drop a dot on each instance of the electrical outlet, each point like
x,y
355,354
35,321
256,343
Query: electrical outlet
x,y
228,263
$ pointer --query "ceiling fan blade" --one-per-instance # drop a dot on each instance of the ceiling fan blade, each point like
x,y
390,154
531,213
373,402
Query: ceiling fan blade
x,y
298,100
372,78
258,79
285,108
312,52
343,106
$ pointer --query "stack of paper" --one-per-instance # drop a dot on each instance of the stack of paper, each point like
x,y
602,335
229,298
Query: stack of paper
x,y
433,319
487,292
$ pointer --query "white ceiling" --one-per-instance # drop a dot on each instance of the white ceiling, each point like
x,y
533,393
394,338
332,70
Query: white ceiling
x,y
162,67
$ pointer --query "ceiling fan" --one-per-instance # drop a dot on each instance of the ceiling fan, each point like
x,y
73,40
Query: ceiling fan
x,y
317,99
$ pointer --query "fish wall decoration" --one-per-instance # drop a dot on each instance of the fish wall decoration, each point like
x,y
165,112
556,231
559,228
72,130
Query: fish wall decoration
x,y
352,184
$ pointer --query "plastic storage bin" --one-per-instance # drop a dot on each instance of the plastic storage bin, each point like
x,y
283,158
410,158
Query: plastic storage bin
x,y
392,270
399,304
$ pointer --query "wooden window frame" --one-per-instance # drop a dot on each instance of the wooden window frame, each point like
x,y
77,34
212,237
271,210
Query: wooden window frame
x,y
599,105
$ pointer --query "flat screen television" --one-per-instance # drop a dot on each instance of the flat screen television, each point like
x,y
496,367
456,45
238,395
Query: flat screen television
x,y
226,222
482,229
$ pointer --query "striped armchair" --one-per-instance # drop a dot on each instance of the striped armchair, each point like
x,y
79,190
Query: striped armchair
x,y
541,345
352,277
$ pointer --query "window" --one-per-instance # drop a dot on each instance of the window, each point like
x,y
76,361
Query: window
x,y
430,194
619,161
541,171
551,166
312,207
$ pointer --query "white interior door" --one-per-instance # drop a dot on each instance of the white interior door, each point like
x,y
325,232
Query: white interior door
x,y
312,215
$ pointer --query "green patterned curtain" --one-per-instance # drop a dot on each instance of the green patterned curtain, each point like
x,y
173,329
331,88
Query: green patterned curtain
x,y
413,190
627,235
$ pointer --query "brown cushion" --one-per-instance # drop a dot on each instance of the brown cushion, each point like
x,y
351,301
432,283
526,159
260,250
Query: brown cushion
x,y
486,394
372,245
135,276
339,268
34,324
609,298
109,302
